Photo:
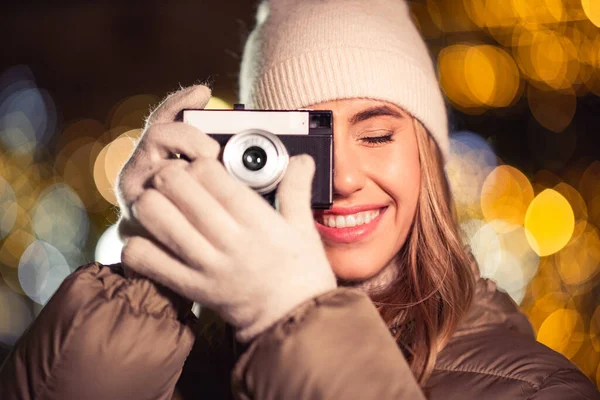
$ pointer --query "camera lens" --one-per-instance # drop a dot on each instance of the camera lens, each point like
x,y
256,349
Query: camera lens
x,y
254,158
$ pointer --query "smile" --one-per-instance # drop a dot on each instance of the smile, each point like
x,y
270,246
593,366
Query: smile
x,y
348,221
348,228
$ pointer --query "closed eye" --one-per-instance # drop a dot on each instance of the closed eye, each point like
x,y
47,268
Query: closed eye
x,y
378,139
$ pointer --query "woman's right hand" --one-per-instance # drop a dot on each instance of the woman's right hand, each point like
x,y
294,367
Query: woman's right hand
x,y
161,139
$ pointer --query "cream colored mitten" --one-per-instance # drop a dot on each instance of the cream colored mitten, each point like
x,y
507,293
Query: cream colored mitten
x,y
161,139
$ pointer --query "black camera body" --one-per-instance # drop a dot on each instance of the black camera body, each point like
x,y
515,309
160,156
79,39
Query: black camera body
x,y
256,146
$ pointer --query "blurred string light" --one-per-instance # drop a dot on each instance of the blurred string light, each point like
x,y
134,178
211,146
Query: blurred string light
x,y
132,111
11,251
579,261
41,270
595,329
478,76
548,58
505,197
109,246
471,160
8,208
60,219
563,331
111,158
27,114
73,162
109,162
592,10
549,222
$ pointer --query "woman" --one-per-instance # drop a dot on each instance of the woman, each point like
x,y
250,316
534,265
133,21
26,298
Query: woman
x,y
373,299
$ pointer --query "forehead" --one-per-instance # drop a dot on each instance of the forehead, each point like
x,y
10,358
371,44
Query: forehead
x,y
348,108
353,105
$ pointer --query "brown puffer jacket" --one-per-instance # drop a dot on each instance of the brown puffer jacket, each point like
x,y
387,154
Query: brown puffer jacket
x,y
103,336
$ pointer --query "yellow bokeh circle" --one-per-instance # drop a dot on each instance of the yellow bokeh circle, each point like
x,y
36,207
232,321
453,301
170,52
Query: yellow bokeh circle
x,y
592,10
505,196
563,331
549,222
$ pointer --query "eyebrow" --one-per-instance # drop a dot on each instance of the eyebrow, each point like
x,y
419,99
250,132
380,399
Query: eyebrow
x,y
373,112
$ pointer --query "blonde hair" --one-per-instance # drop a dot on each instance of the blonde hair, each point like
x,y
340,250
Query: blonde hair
x,y
435,284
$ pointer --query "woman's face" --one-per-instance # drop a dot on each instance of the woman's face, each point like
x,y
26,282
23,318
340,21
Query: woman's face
x,y
376,186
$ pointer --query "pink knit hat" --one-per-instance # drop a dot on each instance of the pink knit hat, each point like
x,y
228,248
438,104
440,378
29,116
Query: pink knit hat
x,y
305,52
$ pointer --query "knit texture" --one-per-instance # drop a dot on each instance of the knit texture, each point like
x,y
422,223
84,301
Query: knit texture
x,y
304,52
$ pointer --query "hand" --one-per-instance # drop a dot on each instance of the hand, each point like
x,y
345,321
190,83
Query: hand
x,y
161,139
235,253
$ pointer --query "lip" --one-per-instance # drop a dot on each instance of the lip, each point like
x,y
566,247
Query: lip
x,y
352,234
350,210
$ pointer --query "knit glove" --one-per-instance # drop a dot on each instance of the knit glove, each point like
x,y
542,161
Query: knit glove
x,y
234,252
161,139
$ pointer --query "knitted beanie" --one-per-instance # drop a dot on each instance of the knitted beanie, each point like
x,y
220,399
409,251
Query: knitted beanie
x,y
304,52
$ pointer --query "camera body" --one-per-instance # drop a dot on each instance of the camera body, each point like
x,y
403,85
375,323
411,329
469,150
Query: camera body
x,y
256,146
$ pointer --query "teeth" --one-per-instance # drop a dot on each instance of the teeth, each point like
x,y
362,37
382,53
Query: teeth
x,y
347,221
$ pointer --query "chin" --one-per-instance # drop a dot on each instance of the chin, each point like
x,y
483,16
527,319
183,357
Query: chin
x,y
353,271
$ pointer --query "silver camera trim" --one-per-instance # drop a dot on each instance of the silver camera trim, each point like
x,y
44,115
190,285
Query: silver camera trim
x,y
267,178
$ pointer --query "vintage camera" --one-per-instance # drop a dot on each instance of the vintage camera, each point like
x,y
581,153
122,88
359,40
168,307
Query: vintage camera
x,y
256,146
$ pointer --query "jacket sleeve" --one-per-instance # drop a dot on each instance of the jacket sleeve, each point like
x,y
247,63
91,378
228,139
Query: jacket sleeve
x,y
101,336
334,347
566,384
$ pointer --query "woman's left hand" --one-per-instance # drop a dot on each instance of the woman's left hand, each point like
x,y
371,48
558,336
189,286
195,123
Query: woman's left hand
x,y
220,244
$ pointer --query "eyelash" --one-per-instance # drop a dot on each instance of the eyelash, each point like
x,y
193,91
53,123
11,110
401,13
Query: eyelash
x,y
379,139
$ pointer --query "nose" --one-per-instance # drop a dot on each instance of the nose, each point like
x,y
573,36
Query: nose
x,y
348,176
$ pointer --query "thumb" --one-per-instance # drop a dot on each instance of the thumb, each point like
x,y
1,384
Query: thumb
x,y
295,191
196,96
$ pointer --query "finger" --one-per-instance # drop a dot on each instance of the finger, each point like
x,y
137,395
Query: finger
x,y
196,96
161,141
149,259
295,190
238,199
198,206
169,226
134,178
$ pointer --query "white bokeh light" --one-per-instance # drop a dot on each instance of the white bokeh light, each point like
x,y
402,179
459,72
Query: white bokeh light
x,y
42,268
108,248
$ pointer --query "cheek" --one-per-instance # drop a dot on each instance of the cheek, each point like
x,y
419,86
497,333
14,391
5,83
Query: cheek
x,y
397,172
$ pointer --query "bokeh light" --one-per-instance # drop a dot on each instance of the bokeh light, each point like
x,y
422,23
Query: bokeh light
x,y
471,160
505,196
595,329
41,270
579,260
562,331
549,222
109,162
60,219
27,114
592,11
15,315
109,246
478,76
132,111
8,208
10,253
